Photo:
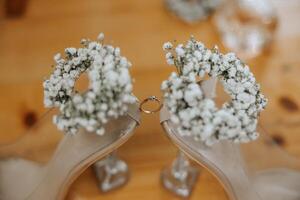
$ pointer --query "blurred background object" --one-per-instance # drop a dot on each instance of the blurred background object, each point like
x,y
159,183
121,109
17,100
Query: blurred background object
x,y
246,26
192,11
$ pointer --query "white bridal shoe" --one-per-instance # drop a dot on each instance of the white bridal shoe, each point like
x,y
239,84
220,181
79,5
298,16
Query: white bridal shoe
x,y
258,170
23,178
95,124
248,170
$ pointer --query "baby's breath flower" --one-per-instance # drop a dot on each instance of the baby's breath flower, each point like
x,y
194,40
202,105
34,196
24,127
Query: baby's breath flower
x,y
100,37
109,91
197,115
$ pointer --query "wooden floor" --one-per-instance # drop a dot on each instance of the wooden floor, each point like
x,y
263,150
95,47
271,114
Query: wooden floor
x,y
27,45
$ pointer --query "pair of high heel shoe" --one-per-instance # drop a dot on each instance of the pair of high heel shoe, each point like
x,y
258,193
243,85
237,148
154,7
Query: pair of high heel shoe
x,y
247,171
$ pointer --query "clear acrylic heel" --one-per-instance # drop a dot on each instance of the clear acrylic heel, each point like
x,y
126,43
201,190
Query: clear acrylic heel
x,y
180,177
39,169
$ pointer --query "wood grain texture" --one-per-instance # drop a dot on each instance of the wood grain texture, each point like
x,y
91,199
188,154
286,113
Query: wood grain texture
x,y
15,8
139,28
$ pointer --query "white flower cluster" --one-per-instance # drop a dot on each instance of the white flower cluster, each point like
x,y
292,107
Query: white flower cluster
x,y
110,87
198,116
192,11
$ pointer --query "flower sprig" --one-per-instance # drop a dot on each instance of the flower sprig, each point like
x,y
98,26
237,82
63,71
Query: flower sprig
x,y
110,87
197,115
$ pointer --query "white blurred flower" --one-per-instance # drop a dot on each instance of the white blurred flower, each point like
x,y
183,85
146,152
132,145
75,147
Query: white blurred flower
x,y
180,50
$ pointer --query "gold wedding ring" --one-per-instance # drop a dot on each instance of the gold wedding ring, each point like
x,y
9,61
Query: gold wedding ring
x,y
151,98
